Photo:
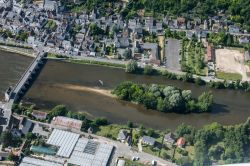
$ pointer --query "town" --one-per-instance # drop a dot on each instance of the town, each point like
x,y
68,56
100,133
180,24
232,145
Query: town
x,y
206,48
214,49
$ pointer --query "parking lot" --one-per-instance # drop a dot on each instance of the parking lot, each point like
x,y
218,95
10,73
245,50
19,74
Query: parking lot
x,y
172,52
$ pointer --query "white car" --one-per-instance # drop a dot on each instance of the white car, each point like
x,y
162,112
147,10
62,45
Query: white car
x,y
154,163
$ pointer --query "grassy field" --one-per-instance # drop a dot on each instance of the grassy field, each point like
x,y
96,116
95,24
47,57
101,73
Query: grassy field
x,y
228,76
97,63
133,163
110,131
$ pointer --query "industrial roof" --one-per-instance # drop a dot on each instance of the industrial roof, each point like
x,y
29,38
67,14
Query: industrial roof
x,y
28,161
89,153
65,140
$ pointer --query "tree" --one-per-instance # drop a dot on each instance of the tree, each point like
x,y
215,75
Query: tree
x,y
100,122
201,157
186,94
205,102
127,54
95,30
130,124
30,136
199,81
131,67
6,138
215,152
185,161
59,110
148,70
12,157
150,132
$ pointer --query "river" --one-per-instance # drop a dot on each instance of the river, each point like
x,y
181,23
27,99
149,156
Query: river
x,y
50,89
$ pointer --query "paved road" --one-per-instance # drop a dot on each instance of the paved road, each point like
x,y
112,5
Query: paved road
x,y
173,54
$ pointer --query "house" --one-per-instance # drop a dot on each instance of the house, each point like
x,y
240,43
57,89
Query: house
x,y
123,42
233,29
210,53
181,142
216,28
122,135
39,115
39,131
66,45
31,40
90,130
169,138
5,3
25,125
181,22
151,53
4,155
243,40
148,140
67,123
50,5
247,56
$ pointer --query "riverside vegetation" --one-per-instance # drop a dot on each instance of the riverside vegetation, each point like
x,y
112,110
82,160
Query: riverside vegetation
x,y
164,98
132,67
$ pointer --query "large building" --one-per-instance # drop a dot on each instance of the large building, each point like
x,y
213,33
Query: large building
x,y
74,150
67,123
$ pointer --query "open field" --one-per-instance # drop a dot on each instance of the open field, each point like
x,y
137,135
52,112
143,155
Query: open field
x,y
231,61
161,40
229,76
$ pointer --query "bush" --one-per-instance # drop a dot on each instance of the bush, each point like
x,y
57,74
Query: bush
x,y
100,122
148,70
131,67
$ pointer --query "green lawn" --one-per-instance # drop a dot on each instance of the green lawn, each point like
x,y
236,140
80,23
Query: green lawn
x,y
133,163
228,76
92,62
110,131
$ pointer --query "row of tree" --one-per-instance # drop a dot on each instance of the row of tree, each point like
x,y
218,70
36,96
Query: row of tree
x,y
132,67
164,98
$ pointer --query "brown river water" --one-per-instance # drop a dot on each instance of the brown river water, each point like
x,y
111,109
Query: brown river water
x,y
65,83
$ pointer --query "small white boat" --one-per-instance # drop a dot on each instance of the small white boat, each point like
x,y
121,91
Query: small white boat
x,y
101,82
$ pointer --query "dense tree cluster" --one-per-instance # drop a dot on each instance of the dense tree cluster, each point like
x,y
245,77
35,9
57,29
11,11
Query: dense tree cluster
x,y
213,143
216,142
95,30
164,98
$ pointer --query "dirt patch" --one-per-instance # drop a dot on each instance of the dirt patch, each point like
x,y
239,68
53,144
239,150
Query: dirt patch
x,y
161,40
86,89
232,61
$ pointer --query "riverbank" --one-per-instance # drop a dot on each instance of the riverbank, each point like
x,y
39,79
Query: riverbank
x,y
95,62
17,50
173,150
158,71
